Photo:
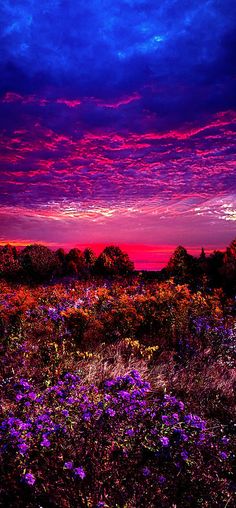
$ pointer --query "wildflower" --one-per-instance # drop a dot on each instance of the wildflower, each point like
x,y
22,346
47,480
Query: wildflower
x,y
225,440
14,433
124,395
24,384
45,442
165,419
195,421
79,471
164,441
68,465
130,432
224,455
32,395
146,471
109,383
87,416
70,400
184,455
29,478
19,396
23,447
161,479
175,417
110,411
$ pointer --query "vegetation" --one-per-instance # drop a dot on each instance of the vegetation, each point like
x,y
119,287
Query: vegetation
x,y
37,263
116,393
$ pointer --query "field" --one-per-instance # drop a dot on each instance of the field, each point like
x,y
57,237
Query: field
x,y
117,394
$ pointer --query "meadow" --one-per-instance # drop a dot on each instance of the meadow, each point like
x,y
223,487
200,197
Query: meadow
x,y
117,393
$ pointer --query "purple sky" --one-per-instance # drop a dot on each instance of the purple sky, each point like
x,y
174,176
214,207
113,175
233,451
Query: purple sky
x,y
118,124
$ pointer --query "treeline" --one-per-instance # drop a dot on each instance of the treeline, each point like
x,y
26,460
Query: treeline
x,y
37,263
214,271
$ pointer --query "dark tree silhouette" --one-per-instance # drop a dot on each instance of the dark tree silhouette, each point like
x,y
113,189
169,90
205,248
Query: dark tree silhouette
x,y
181,265
38,262
90,260
61,256
228,271
10,267
215,267
75,262
113,261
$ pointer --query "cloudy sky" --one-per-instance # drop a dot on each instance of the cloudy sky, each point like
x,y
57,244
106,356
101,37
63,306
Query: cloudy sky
x,y
118,123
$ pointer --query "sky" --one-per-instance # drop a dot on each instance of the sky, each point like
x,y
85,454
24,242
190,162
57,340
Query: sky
x,y
118,123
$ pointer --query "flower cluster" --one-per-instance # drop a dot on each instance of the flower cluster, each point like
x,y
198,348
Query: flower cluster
x,y
89,430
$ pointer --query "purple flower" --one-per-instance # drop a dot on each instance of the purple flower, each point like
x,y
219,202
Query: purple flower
x,y
164,441
29,478
24,426
19,396
224,455
32,395
175,417
68,465
165,419
146,471
71,400
14,433
24,384
45,442
124,395
79,471
184,455
110,411
130,432
87,416
225,440
161,479
109,383
195,421
202,438
23,447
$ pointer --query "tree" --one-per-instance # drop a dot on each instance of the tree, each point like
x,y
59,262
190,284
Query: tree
x,y
215,266
38,262
89,257
75,262
232,248
202,269
228,270
113,261
9,262
90,260
181,265
61,256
